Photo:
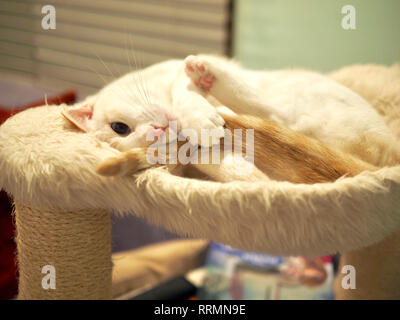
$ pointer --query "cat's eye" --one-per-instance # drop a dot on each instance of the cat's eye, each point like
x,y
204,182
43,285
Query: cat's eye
x,y
121,128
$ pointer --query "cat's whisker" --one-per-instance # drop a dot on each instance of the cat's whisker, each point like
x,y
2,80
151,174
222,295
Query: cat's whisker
x,y
105,66
141,82
130,90
145,88
137,73
111,74
129,63
137,68
138,88
131,67
98,74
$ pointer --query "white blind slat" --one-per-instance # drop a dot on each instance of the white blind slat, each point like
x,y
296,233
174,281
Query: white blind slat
x,y
110,53
16,63
17,50
115,38
165,11
87,78
142,26
16,36
76,61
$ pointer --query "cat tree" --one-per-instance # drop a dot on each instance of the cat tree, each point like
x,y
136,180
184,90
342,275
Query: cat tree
x,y
62,206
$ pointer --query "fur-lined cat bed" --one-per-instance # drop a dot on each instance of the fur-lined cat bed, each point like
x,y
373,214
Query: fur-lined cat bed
x,y
46,164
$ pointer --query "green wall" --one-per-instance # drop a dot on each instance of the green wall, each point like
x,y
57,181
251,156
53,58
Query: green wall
x,y
308,33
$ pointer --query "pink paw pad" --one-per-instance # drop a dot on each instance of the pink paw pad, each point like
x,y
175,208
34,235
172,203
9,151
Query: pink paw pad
x,y
196,70
206,82
200,67
189,67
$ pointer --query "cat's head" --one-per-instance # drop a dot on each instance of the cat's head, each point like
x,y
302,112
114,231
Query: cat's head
x,y
117,116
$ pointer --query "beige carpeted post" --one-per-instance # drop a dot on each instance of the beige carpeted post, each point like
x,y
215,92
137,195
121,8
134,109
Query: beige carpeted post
x,y
76,244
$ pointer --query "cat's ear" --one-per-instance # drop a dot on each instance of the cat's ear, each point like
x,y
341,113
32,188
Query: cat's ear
x,y
81,114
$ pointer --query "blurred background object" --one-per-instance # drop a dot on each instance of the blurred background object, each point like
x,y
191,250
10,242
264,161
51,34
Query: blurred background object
x,y
308,34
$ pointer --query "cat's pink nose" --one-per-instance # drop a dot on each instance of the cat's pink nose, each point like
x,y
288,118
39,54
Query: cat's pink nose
x,y
161,128
158,131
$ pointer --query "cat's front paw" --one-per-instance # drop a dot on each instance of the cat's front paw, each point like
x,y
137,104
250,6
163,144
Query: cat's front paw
x,y
199,72
126,163
204,129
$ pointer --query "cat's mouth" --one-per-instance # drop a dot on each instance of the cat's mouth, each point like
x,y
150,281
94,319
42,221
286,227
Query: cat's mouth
x,y
157,134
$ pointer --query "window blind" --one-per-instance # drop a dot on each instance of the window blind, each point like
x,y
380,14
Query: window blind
x,y
98,40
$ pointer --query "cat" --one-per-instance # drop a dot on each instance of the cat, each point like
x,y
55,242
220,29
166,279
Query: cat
x,y
188,91
280,154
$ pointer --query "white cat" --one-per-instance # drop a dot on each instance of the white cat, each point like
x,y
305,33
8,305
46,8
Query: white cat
x,y
124,111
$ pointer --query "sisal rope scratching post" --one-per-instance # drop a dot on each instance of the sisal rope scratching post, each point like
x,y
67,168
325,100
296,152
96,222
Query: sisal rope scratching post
x,y
42,170
77,244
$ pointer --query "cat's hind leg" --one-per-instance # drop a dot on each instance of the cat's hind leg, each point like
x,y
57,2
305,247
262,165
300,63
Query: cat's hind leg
x,y
195,113
228,83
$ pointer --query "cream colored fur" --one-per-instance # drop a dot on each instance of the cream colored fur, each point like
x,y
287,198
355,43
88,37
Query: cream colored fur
x,y
52,166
